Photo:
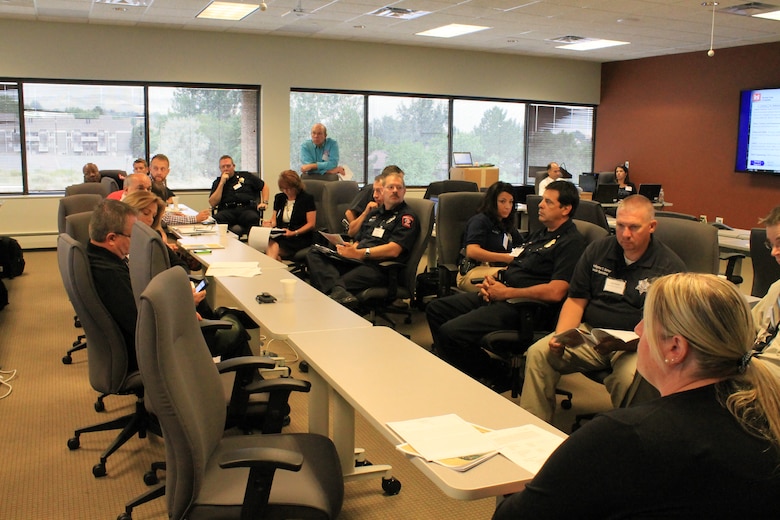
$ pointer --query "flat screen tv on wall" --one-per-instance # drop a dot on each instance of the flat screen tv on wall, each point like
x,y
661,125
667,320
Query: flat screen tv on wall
x,y
758,139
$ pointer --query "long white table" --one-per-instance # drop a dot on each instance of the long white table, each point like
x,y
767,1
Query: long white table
x,y
406,382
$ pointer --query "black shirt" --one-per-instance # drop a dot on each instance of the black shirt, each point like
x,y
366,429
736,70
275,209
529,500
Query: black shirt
x,y
242,189
382,226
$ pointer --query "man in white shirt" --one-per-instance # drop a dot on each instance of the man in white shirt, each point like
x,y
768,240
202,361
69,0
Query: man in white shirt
x,y
553,174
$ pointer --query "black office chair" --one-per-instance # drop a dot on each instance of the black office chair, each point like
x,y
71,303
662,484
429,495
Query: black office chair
x,y
336,199
211,475
672,214
766,270
94,188
401,277
593,212
436,188
537,319
108,360
453,212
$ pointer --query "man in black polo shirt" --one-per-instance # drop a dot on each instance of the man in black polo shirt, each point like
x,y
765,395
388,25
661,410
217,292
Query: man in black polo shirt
x,y
388,233
541,271
608,291
239,198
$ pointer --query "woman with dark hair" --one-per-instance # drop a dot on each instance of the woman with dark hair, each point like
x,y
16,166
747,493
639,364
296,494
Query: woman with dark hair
x,y
489,236
625,186
295,212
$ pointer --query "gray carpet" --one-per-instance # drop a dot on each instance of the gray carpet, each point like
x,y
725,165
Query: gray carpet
x,y
41,479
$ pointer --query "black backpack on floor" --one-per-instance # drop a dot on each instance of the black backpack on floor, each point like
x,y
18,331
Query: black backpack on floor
x,y
11,258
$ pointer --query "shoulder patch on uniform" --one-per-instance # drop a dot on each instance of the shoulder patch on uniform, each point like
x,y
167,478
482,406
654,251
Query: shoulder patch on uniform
x,y
407,221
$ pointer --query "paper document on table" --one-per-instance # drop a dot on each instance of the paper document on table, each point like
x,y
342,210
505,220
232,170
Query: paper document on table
x,y
333,238
462,463
193,230
201,242
261,235
528,446
245,269
443,437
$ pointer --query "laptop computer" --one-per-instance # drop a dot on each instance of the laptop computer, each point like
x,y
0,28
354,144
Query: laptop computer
x,y
462,160
651,191
606,193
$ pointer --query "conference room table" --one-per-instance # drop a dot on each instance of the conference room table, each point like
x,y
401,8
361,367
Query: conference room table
x,y
386,377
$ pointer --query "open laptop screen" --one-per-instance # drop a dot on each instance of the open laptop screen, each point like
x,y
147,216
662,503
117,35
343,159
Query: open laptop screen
x,y
651,191
460,159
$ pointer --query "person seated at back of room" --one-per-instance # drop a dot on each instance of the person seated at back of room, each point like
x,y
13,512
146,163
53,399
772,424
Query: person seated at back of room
x,y
388,233
366,195
159,169
489,237
708,448
91,172
541,271
296,213
625,186
239,198
553,174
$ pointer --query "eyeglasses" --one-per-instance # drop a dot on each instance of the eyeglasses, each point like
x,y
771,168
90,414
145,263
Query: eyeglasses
x,y
124,235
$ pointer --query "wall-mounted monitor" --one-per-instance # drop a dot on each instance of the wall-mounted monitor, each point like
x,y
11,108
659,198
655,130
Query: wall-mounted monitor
x,y
758,138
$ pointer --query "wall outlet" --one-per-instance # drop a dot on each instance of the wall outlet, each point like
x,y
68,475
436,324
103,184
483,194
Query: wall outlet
x,y
719,220
703,218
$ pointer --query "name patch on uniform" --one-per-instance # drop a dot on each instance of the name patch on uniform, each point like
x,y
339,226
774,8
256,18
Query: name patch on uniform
x,y
407,221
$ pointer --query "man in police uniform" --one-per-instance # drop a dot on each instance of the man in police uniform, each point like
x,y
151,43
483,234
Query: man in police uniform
x,y
388,233
239,199
541,270
607,290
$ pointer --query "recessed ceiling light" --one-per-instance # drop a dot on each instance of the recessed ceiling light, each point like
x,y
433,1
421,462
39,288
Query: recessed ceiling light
x,y
589,45
773,15
227,11
452,30
127,3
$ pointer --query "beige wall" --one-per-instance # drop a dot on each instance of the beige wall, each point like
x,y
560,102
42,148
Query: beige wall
x,y
116,53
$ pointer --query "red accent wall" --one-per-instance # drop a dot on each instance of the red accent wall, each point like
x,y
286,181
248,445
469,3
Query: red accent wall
x,y
674,118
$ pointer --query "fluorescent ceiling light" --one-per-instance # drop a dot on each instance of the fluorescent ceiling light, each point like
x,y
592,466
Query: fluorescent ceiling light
x,y
227,11
589,45
772,15
454,29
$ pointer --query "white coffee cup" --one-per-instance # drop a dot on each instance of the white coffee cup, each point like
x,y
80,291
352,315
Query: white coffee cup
x,y
175,203
222,229
288,288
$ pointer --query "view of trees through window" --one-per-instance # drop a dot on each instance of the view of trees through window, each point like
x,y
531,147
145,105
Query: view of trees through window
x,y
67,125
414,133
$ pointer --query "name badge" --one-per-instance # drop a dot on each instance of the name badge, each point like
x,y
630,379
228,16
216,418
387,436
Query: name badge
x,y
237,186
325,155
378,232
614,285
506,240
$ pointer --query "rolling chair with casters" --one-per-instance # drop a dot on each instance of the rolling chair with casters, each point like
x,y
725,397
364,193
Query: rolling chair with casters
x,y
402,277
108,359
766,270
284,475
453,213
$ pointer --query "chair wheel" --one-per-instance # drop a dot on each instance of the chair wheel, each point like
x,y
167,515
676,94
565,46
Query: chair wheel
x,y
99,406
303,366
124,516
361,463
150,478
99,470
74,443
66,359
391,486
566,404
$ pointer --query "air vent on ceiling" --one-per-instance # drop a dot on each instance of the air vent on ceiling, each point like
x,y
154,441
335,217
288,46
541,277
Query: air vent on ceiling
x,y
397,12
567,39
749,9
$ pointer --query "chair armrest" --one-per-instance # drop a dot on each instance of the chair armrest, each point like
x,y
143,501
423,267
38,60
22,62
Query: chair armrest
x,y
238,363
214,325
731,262
259,457
287,384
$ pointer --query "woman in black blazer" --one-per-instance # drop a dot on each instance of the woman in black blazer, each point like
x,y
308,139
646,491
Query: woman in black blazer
x,y
295,212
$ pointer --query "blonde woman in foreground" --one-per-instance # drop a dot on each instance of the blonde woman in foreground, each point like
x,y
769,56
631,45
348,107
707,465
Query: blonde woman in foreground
x,y
707,448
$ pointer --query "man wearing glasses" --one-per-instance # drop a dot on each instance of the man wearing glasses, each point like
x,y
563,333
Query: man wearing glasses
x,y
766,313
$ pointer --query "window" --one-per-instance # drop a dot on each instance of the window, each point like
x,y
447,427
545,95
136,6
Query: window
x,y
494,132
11,180
344,117
563,134
67,126
194,127
411,132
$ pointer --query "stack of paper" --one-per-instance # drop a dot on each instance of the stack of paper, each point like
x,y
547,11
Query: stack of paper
x,y
452,442
246,269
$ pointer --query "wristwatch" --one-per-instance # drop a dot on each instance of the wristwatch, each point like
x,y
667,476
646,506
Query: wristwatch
x,y
367,253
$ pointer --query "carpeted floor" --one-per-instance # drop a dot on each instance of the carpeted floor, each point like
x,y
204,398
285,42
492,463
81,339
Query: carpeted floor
x,y
41,479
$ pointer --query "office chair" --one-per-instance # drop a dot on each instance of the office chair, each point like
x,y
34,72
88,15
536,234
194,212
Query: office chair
x,y
401,277
110,185
95,188
240,231
117,175
211,475
593,212
453,213
536,320
108,363
436,188
336,199
766,270
77,226
71,205
672,214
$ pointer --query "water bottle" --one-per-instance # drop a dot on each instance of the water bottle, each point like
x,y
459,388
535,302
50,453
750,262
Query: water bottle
x,y
661,196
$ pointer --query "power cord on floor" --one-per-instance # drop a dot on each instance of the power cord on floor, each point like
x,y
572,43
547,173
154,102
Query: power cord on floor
x,y
4,381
